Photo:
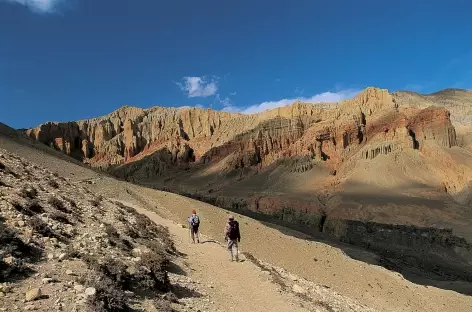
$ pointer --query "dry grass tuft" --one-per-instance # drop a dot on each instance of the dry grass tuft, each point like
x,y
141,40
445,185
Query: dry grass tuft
x,y
109,296
58,204
53,184
28,192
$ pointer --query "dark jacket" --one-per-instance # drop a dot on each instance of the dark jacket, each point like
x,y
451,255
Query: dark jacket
x,y
232,234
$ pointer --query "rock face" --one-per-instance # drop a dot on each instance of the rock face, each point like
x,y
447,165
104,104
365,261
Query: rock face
x,y
457,101
204,136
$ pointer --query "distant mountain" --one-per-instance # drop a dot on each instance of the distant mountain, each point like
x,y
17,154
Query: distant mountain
x,y
457,101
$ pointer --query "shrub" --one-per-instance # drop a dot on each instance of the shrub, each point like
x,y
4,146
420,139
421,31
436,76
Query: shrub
x,y
109,296
61,217
28,192
72,253
163,306
131,232
110,268
53,183
126,244
11,244
150,273
96,201
40,227
143,222
154,265
148,230
111,231
7,170
34,206
72,202
21,208
125,208
115,239
58,204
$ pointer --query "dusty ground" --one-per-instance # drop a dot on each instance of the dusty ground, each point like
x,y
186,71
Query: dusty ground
x,y
249,285
66,248
318,263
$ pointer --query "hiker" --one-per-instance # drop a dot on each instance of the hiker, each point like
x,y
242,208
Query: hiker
x,y
232,237
194,223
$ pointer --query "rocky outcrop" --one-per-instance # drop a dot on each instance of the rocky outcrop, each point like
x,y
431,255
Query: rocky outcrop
x,y
456,101
433,124
324,132
62,136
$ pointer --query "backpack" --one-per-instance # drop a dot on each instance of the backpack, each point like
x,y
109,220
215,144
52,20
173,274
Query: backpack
x,y
195,220
233,232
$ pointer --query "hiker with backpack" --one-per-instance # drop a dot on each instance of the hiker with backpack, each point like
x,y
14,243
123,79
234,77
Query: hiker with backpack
x,y
194,223
232,237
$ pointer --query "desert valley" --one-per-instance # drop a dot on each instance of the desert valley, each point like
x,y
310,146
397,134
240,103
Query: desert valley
x,y
359,205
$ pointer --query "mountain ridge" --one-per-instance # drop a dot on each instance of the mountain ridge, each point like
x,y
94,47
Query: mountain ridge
x,y
384,159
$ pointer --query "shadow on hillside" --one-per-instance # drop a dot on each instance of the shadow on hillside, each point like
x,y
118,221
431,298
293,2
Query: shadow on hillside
x,y
185,292
16,254
424,256
410,271
176,269
465,195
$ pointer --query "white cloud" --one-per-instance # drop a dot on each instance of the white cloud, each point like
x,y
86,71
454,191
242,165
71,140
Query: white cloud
x,y
39,6
198,86
325,97
195,106
225,102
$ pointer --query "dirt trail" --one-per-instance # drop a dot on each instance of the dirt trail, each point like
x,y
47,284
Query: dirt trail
x,y
234,286
240,286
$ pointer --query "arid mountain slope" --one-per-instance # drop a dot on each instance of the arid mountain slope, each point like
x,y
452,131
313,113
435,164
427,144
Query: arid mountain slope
x,y
63,247
327,264
457,101
390,163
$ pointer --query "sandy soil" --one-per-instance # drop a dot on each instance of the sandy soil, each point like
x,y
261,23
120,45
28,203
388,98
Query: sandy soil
x,y
243,286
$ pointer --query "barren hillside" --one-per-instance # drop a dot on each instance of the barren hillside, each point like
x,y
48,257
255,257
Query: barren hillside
x,y
323,275
65,247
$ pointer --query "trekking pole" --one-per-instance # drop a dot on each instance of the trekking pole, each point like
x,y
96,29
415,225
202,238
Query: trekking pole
x,y
189,234
239,251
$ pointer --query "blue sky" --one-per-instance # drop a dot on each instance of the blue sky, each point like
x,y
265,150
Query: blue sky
x,y
71,59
